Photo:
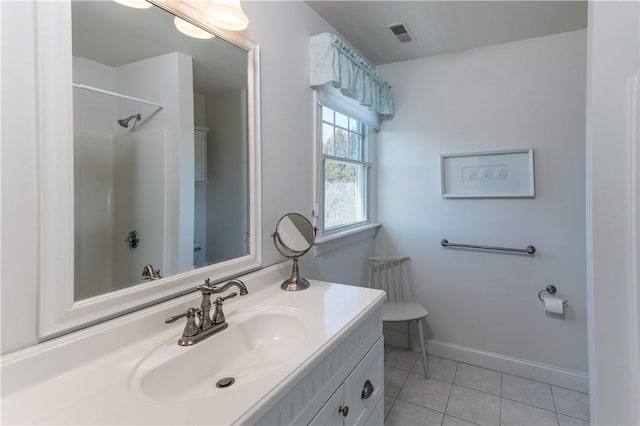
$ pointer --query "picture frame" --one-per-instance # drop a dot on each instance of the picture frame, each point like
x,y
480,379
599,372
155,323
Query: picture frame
x,y
490,174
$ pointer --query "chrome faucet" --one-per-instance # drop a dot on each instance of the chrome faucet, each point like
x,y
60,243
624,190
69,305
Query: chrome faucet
x,y
225,287
207,325
148,273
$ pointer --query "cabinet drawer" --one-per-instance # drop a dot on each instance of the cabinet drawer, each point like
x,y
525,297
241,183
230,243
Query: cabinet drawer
x,y
377,417
330,415
365,386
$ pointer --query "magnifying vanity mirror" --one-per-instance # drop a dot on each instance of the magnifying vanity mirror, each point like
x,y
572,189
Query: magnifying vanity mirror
x,y
294,237
157,185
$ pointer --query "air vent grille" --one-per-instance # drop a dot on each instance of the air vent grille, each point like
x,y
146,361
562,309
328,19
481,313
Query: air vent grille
x,y
401,31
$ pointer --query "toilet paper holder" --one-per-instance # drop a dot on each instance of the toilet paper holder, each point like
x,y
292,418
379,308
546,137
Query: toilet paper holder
x,y
550,290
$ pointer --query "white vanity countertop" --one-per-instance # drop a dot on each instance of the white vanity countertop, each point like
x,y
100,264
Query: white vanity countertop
x,y
64,382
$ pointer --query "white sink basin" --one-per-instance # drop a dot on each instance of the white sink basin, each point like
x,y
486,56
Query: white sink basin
x,y
135,365
257,343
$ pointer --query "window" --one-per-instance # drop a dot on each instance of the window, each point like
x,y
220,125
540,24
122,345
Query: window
x,y
343,175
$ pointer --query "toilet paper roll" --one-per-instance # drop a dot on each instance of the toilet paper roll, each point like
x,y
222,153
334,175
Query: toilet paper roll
x,y
553,305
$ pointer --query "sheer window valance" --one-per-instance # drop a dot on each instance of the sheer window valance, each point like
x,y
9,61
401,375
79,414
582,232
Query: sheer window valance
x,y
333,63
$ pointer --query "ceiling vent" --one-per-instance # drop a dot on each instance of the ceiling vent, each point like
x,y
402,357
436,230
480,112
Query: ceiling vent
x,y
401,31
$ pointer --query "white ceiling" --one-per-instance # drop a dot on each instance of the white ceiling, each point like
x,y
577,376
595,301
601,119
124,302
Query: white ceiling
x,y
445,26
112,34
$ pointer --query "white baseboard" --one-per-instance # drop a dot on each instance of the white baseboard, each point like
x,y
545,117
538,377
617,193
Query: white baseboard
x,y
507,364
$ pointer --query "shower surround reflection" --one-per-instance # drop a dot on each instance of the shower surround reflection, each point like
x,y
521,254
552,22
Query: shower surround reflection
x,y
136,112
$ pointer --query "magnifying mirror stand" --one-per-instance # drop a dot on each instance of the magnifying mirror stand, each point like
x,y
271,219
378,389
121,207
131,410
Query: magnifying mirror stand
x,y
295,282
294,237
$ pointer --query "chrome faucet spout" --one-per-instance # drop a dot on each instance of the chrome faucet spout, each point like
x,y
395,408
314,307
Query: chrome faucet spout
x,y
235,282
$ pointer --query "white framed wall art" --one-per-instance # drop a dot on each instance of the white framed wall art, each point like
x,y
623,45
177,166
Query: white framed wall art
x,y
491,174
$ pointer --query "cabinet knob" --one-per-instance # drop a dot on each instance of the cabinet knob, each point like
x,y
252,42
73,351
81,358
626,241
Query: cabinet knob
x,y
344,410
367,390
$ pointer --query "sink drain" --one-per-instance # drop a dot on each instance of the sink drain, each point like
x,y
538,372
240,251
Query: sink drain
x,y
225,383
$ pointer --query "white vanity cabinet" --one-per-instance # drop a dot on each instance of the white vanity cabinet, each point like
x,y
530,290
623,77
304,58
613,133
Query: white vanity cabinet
x,y
359,396
338,381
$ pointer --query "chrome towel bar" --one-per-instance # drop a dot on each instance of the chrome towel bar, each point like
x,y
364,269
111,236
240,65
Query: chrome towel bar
x,y
528,250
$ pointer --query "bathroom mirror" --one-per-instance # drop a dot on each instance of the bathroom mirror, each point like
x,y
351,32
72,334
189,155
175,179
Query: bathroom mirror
x,y
153,192
160,147
294,237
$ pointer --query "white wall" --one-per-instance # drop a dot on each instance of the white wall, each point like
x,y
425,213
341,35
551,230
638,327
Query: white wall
x,y
613,206
344,265
199,109
282,29
227,176
517,95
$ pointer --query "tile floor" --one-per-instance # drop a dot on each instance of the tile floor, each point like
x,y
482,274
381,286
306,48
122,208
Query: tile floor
x,y
463,394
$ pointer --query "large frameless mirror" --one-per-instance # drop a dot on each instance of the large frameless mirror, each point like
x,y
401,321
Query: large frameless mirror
x,y
164,156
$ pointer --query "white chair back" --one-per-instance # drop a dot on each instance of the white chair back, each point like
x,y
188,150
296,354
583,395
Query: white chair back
x,y
390,273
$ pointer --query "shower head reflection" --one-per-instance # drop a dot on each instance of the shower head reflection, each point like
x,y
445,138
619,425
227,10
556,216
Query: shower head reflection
x,y
124,122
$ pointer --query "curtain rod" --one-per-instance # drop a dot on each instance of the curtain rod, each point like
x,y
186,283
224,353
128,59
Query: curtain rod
x,y
115,94
344,48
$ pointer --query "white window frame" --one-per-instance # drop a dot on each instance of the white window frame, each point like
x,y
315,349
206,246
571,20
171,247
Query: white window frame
x,y
340,236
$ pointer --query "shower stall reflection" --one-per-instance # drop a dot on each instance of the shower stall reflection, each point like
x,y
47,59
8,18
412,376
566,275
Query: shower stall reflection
x,y
139,149
119,188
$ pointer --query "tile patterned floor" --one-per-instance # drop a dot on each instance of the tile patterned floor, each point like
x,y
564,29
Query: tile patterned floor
x,y
459,394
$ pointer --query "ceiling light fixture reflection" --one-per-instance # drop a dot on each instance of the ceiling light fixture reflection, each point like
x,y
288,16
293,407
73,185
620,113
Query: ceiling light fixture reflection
x,y
227,14
137,4
191,30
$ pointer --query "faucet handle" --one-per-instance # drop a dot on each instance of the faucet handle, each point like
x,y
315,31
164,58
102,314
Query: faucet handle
x,y
218,314
230,296
191,312
191,328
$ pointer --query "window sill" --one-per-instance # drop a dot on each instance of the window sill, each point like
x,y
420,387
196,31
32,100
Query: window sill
x,y
338,240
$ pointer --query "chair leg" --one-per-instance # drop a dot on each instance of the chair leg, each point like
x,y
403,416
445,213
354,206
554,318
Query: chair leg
x,y
425,364
409,345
